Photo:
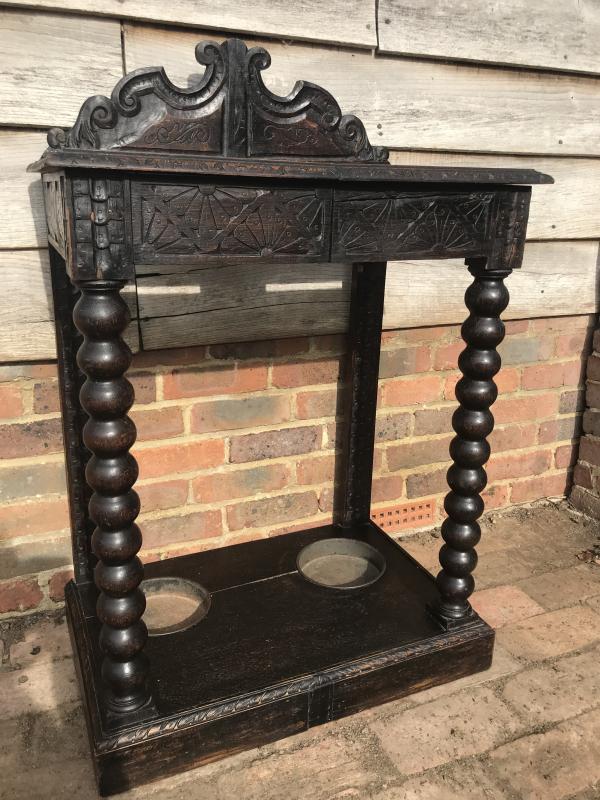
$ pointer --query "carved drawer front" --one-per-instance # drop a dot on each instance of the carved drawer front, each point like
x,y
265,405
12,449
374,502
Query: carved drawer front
x,y
395,225
179,222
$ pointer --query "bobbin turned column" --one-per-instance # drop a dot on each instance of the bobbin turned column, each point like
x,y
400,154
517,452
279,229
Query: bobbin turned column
x,y
101,315
476,391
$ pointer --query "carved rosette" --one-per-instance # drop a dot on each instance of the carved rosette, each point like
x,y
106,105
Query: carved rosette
x,y
101,315
476,391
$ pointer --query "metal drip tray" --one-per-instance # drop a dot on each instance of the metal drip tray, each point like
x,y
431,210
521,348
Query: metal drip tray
x,y
340,563
173,604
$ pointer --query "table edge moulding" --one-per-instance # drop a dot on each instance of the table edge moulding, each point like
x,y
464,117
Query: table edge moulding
x,y
287,180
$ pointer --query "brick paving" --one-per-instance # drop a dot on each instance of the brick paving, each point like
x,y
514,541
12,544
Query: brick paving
x,y
528,729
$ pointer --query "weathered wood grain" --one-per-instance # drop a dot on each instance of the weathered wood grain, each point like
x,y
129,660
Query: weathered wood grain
x,y
26,316
567,209
50,63
534,33
342,21
22,221
558,278
418,104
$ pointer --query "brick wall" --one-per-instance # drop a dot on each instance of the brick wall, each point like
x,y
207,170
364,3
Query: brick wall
x,y
238,441
586,478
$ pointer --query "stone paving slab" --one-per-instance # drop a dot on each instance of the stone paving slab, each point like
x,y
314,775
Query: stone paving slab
x,y
528,728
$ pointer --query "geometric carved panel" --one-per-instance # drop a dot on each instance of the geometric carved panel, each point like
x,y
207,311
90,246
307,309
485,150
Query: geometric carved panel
x,y
204,222
392,225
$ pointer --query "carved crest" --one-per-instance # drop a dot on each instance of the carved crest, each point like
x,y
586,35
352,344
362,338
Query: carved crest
x,y
230,112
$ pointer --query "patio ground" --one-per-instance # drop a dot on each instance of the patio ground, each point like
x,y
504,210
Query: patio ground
x,y
528,728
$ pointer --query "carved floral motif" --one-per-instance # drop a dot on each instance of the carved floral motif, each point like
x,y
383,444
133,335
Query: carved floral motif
x,y
204,219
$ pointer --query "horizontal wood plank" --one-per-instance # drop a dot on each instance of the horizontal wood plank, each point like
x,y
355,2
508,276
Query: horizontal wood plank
x,y
414,104
22,220
557,278
533,33
340,21
50,63
26,315
567,209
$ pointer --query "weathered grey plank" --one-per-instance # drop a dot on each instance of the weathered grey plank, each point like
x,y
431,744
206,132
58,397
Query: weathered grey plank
x,y
418,104
557,278
22,222
26,316
50,63
567,209
341,21
534,33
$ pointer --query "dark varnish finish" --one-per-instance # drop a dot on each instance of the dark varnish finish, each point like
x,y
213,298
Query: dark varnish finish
x,y
221,172
101,316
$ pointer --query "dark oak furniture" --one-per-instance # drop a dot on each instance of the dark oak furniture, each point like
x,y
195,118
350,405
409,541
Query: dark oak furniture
x,y
226,171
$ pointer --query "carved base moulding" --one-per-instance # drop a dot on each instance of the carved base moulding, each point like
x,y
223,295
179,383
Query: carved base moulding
x,y
285,633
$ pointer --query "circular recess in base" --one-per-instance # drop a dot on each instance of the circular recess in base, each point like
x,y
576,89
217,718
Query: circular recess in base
x,y
173,604
340,563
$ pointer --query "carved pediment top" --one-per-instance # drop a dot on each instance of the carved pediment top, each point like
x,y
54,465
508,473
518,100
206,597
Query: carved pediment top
x,y
229,112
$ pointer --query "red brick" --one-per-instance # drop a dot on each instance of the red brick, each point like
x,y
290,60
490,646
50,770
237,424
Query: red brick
x,y
315,470
273,348
306,373
589,450
19,595
556,430
169,358
582,476
275,444
30,438
326,497
205,381
565,456
312,405
565,324
433,420
536,488
519,465
418,452
38,516
526,408
410,391
585,501
239,412
163,494
27,480
502,605
11,372
182,457
513,326
446,356
144,387
404,361
270,510
11,401
495,496
573,344
159,423
512,437
57,583
182,528
592,396
387,487
46,397
573,401
525,349
426,483
593,367
240,483
550,376
507,380
393,426
330,343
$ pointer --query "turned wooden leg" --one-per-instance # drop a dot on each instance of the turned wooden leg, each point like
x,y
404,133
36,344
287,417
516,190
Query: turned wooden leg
x,y
483,331
101,315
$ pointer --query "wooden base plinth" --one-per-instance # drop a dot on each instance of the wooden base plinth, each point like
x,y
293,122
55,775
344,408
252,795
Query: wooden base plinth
x,y
274,656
